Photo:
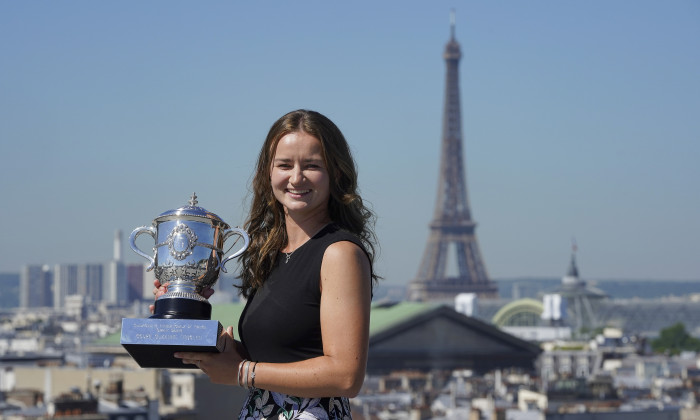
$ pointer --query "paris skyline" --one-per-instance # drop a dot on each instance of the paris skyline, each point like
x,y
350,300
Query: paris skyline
x,y
579,123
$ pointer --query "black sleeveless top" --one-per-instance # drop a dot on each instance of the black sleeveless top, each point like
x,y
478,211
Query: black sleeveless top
x,y
281,321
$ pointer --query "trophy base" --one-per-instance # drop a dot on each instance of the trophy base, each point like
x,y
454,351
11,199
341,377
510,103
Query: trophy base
x,y
151,342
182,309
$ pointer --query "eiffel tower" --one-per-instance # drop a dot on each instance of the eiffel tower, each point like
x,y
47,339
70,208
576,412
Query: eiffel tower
x,y
452,226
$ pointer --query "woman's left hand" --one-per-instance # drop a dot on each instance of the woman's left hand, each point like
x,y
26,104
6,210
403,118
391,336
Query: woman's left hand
x,y
222,368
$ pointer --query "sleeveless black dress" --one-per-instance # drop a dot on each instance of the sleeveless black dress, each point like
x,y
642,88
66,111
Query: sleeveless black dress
x,y
281,323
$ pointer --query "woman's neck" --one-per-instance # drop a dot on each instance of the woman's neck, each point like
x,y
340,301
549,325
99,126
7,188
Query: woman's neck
x,y
300,231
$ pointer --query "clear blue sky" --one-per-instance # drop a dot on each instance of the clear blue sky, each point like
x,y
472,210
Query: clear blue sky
x,y
581,119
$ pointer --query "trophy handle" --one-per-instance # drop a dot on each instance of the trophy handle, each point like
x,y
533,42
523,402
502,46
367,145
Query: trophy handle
x,y
246,242
132,241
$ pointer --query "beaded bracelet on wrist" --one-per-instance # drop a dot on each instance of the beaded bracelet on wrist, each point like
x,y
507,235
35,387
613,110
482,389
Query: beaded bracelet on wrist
x,y
252,376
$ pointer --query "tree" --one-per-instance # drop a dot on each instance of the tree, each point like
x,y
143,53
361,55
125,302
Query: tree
x,y
674,340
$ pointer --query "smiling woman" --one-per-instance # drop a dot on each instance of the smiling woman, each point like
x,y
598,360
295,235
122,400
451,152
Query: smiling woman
x,y
307,276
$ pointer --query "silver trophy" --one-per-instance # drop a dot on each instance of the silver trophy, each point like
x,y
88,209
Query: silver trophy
x,y
187,257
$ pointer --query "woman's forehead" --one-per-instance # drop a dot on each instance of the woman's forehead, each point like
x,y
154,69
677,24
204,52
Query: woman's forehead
x,y
297,143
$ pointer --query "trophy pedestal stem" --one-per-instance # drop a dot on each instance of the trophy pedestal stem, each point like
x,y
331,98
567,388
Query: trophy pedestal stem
x,y
181,309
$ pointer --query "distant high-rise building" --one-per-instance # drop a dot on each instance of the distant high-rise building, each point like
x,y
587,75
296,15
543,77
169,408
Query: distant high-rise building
x,y
77,279
117,245
452,231
116,288
35,286
65,283
134,277
91,281
9,291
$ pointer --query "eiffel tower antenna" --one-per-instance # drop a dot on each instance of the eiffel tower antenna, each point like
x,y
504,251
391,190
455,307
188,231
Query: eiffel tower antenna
x,y
452,226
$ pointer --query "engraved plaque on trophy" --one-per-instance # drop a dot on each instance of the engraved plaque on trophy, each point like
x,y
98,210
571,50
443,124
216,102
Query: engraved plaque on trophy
x,y
187,257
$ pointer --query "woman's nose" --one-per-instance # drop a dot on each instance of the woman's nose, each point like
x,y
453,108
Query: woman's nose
x,y
297,175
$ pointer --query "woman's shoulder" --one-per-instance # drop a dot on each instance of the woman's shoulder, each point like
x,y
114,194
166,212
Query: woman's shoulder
x,y
334,233
345,264
344,250
339,242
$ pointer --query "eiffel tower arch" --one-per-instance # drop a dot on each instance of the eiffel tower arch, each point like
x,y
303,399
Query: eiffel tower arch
x,y
452,227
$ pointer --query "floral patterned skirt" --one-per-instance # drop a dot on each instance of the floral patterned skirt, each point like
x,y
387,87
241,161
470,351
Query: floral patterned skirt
x,y
262,404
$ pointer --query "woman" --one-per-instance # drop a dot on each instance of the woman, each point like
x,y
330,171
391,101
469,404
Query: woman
x,y
307,275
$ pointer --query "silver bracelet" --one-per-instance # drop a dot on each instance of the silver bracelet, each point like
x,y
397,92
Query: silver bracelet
x,y
245,370
240,365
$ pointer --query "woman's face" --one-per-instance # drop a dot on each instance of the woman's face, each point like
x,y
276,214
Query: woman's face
x,y
299,175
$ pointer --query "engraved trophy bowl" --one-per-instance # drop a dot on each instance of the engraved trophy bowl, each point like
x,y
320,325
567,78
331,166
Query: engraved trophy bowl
x,y
187,257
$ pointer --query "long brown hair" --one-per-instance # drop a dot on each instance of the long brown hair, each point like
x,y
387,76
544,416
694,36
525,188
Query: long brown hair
x,y
266,223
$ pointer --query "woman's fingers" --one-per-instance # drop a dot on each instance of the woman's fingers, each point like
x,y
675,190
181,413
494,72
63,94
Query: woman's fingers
x,y
206,293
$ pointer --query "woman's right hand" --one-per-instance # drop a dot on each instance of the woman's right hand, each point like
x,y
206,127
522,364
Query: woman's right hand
x,y
158,290
222,368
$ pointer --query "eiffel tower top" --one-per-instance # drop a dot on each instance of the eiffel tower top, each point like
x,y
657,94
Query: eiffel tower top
x,y
452,50
452,205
